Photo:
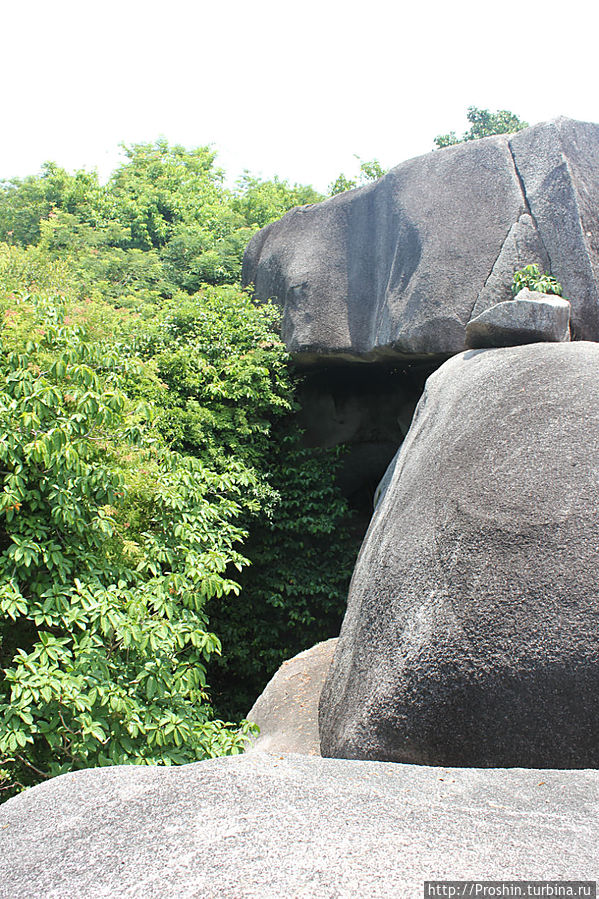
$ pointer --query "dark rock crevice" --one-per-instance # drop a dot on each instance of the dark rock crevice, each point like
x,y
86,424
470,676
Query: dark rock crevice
x,y
527,205
522,246
520,181
368,409
558,163
490,275
502,248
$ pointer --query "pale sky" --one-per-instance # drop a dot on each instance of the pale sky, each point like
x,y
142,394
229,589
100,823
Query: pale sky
x,y
281,88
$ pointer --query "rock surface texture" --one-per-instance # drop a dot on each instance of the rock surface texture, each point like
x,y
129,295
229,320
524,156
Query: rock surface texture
x,y
472,630
287,709
398,268
529,318
258,826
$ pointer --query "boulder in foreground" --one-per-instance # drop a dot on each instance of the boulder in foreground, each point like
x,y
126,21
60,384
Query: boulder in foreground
x,y
471,633
263,826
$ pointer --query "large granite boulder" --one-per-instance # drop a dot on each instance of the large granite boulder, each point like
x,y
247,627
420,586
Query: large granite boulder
x,y
287,709
397,268
530,317
264,826
472,630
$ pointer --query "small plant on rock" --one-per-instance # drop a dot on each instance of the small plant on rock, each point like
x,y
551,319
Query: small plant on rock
x,y
531,277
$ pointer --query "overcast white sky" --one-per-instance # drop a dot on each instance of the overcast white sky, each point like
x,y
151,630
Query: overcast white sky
x,y
292,89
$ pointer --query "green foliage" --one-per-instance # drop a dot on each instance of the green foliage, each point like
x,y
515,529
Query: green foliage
x,y
222,374
163,223
147,456
227,391
261,202
483,123
111,546
531,277
25,203
29,269
101,258
161,186
370,170
294,593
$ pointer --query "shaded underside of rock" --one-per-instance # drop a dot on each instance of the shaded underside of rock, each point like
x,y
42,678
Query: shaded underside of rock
x,y
472,630
287,709
397,268
260,826
529,318
368,410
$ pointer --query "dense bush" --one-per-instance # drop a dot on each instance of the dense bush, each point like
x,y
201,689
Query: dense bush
x,y
110,547
148,457
225,391
294,592
163,222
165,539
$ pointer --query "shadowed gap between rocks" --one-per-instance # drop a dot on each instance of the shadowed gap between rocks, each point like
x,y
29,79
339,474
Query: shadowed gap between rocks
x,y
368,408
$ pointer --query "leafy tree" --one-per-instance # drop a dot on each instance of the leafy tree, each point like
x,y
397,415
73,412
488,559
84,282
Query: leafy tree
x,y
295,591
194,256
483,123
29,269
102,259
25,203
370,170
229,391
147,455
261,202
162,185
164,201
110,548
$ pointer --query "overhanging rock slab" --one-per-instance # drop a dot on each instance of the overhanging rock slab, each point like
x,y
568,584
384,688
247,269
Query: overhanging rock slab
x,y
397,268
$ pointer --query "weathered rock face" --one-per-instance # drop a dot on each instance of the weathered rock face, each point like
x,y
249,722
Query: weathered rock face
x,y
287,709
258,826
400,266
529,318
472,630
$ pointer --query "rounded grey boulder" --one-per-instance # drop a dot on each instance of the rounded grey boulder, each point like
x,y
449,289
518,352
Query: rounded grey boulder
x,y
287,709
472,630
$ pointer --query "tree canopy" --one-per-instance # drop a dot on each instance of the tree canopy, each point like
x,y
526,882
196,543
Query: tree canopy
x,y
165,202
370,170
161,524
483,123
